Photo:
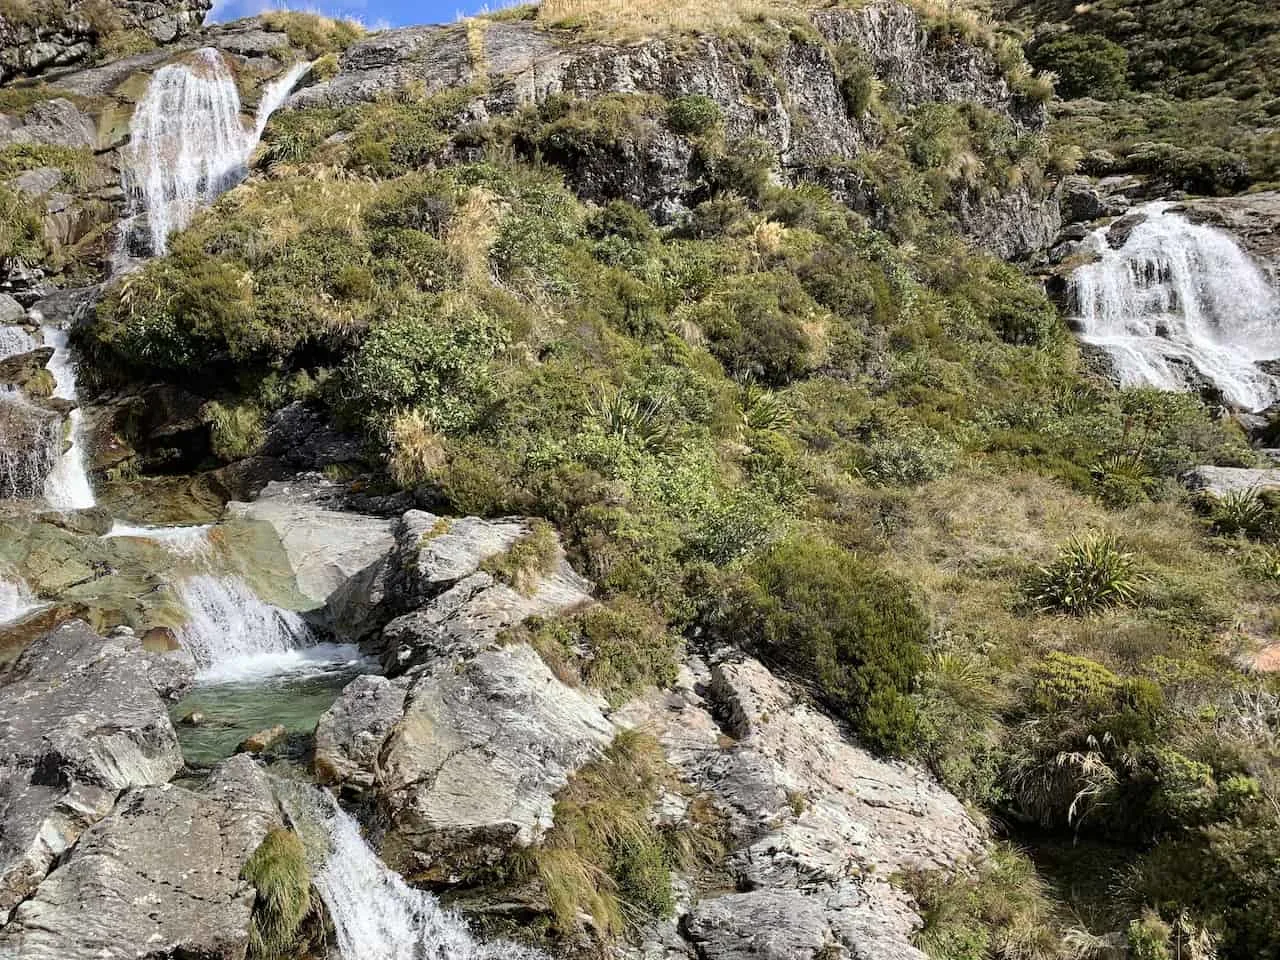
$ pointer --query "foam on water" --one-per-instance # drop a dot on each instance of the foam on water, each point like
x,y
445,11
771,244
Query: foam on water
x,y
188,141
16,600
376,915
234,635
1179,302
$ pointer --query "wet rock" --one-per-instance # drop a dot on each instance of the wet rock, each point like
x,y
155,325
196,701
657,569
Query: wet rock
x,y
303,437
263,740
81,720
195,718
30,444
160,640
1254,219
1220,481
26,371
67,308
161,873
1118,232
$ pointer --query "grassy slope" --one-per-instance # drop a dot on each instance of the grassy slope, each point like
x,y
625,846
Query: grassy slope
x,y
678,401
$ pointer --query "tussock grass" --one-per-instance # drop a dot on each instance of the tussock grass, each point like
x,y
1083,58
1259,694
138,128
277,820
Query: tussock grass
x,y
526,561
278,869
417,450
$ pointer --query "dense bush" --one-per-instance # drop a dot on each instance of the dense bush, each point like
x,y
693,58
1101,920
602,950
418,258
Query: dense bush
x,y
756,327
1086,65
693,114
854,632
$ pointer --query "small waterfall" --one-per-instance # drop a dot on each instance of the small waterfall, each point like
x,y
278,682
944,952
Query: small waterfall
x,y
233,635
188,142
67,486
189,543
15,341
16,600
376,915
1181,301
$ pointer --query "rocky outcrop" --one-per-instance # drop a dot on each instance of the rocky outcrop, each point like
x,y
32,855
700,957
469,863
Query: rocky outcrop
x,y
1254,220
31,45
818,825
795,107
1220,481
159,877
81,720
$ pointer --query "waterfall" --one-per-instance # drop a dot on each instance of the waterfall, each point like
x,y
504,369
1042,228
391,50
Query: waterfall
x,y
67,485
1179,302
188,142
234,635
30,440
189,543
15,341
376,915
16,600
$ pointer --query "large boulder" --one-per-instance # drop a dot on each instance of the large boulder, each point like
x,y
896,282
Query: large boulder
x,y
159,877
1220,481
81,720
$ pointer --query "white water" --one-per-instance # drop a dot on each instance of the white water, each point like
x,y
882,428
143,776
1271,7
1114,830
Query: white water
x,y
1180,298
15,340
16,600
188,142
376,915
67,486
235,636
189,543
24,465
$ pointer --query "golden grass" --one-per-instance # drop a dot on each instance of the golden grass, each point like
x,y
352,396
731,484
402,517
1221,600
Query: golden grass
x,y
631,20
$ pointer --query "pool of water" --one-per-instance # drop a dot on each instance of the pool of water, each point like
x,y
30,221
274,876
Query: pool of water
x,y
240,705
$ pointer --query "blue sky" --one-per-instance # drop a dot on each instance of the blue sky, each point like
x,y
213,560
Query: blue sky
x,y
375,13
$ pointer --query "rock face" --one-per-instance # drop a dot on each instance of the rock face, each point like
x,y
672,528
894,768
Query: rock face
x,y
81,719
1254,219
465,748
159,877
797,108
818,825
30,47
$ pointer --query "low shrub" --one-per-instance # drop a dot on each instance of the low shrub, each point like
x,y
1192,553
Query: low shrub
x,y
854,632
528,560
417,451
1090,573
755,326
693,114
234,432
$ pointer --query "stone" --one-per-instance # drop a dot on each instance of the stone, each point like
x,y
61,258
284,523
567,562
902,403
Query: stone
x,y
25,370
161,874
30,444
350,735
1219,481
11,311
54,123
195,718
263,740
1118,232
1254,220
1081,201
303,437
472,768
37,182
81,720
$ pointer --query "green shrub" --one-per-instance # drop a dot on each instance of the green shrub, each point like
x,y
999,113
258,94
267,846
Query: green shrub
x,y
278,870
1064,681
856,633
1087,65
755,326
907,457
693,114
1239,512
1090,573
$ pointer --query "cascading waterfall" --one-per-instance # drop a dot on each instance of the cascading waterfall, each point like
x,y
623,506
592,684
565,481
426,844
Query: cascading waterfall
x,y
188,142
16,600
30,443
1180,301
375,913
67,486
233,634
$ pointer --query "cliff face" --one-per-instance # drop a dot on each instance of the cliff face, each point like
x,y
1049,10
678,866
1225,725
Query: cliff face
x,y
86,27
795,102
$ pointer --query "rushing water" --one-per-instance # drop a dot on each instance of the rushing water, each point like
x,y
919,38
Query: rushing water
x,y
188,142
187,542
1180,301
235,636
376,915
16,600
29,446
67,486
15,340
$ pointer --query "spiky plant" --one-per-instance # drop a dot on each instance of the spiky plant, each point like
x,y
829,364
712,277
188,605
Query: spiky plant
x,y
1239,511
1091,572
764,410
640,422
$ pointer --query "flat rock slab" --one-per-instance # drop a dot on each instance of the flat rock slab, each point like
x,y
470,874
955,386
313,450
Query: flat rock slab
x,y
159,877
81,720
1221,481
